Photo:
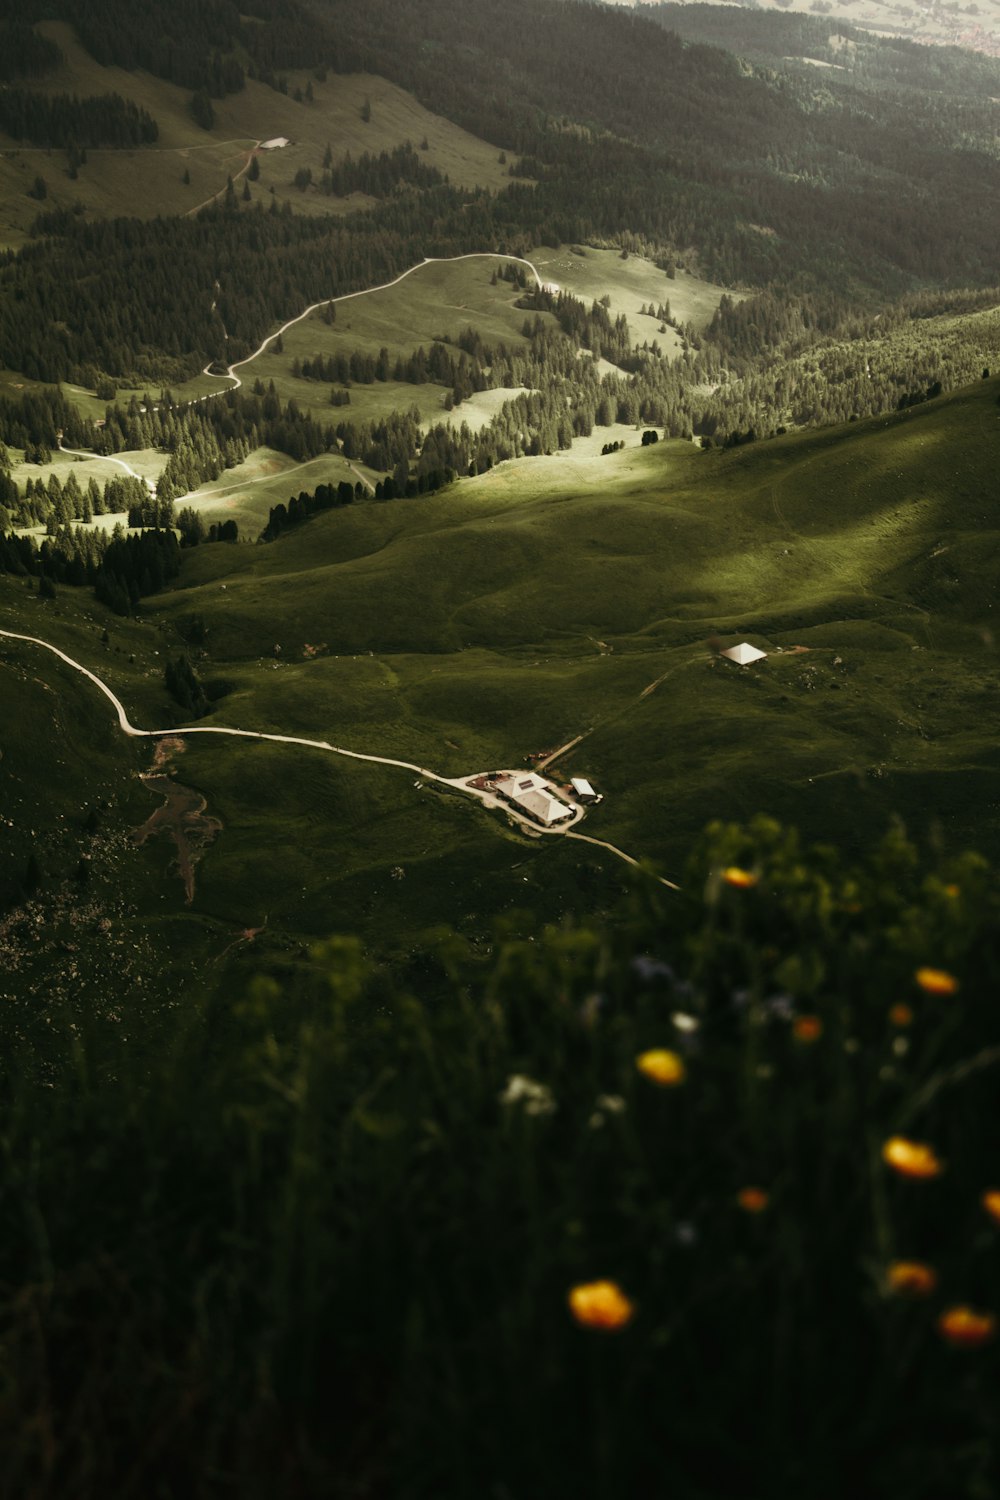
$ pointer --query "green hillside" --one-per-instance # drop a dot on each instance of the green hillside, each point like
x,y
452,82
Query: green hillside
x,y
551,599
189,166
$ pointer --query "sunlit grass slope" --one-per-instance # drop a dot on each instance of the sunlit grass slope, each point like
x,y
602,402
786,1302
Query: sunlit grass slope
x,y
568,596
551,599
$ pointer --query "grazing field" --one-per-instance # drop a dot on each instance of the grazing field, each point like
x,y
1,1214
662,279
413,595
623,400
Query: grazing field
x,y
568,597
630,283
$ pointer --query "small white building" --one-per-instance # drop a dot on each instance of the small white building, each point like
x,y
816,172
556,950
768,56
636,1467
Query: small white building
x,y
583,789
744,654
275,144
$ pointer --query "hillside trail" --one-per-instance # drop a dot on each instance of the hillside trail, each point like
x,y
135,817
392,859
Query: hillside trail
x,y
428,260
107,457
216,196
455,783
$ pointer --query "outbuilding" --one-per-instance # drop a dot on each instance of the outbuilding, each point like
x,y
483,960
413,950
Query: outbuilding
x,y
744,654
583,790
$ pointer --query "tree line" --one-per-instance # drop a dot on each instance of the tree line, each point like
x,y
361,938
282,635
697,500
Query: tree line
x,y
66,121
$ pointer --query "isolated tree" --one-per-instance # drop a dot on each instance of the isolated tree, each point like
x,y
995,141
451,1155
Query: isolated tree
x,y
39,189
201,110
366,110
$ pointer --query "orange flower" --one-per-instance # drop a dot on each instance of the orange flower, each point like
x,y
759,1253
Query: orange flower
x,y
901,1015
741,879
661,1066
966,1327
936,981
911,1158
911,1277
752,1200
991,1202
600,1304
807,1028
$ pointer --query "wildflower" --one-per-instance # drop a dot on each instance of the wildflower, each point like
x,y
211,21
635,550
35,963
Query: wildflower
x,y
965,1327
953,891
901,1046
661,1066
911,1158
536,1098
600,1304
936,981
741,879
901,1015
605,1104
753,1200
686,1233
911,1277
684,1022
611,1104
991,1202
807,1028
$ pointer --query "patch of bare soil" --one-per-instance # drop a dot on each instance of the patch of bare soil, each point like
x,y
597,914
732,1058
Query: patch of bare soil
x,y
183,815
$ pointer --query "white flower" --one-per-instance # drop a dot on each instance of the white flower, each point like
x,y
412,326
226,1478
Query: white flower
x,y
611,1104
684,1022
536,1098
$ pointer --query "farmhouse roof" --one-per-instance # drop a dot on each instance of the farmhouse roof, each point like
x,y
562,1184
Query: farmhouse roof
x,y
744,654
542,805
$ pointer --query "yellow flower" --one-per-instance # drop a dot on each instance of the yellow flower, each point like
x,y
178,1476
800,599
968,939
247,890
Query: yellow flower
x,y
600,1304
901,1015
911,1158
936,981
807,1028
966,1327
752,1200
991,1202
911,1277
661,1066
741,879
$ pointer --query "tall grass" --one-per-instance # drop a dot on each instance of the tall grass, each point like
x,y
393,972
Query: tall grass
x,y
324,1245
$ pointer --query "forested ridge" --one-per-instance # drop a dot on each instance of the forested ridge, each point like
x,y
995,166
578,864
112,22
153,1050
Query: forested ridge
x,y
831,203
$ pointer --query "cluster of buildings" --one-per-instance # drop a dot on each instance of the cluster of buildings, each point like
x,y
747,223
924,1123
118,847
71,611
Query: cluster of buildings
x,y
535,798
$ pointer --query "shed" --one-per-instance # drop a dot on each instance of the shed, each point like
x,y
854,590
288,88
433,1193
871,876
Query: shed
x,y
583,789
275,144
744,654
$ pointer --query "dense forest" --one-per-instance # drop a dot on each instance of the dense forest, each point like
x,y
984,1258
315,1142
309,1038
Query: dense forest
x,y
64,120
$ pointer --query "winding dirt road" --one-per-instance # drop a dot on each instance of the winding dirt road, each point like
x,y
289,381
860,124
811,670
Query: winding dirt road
x,y
456,783
428,260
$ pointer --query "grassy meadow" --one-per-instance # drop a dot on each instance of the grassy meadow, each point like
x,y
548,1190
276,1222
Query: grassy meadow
x,y
551,599
150,181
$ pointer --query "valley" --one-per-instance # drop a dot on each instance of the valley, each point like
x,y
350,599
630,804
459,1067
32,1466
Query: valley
x,y
499,807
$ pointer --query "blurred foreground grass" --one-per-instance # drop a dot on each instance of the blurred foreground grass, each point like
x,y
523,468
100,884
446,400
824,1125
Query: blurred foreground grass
x,y
326,1244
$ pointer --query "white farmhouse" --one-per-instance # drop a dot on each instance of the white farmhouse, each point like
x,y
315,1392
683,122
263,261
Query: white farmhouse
x,y
531,795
